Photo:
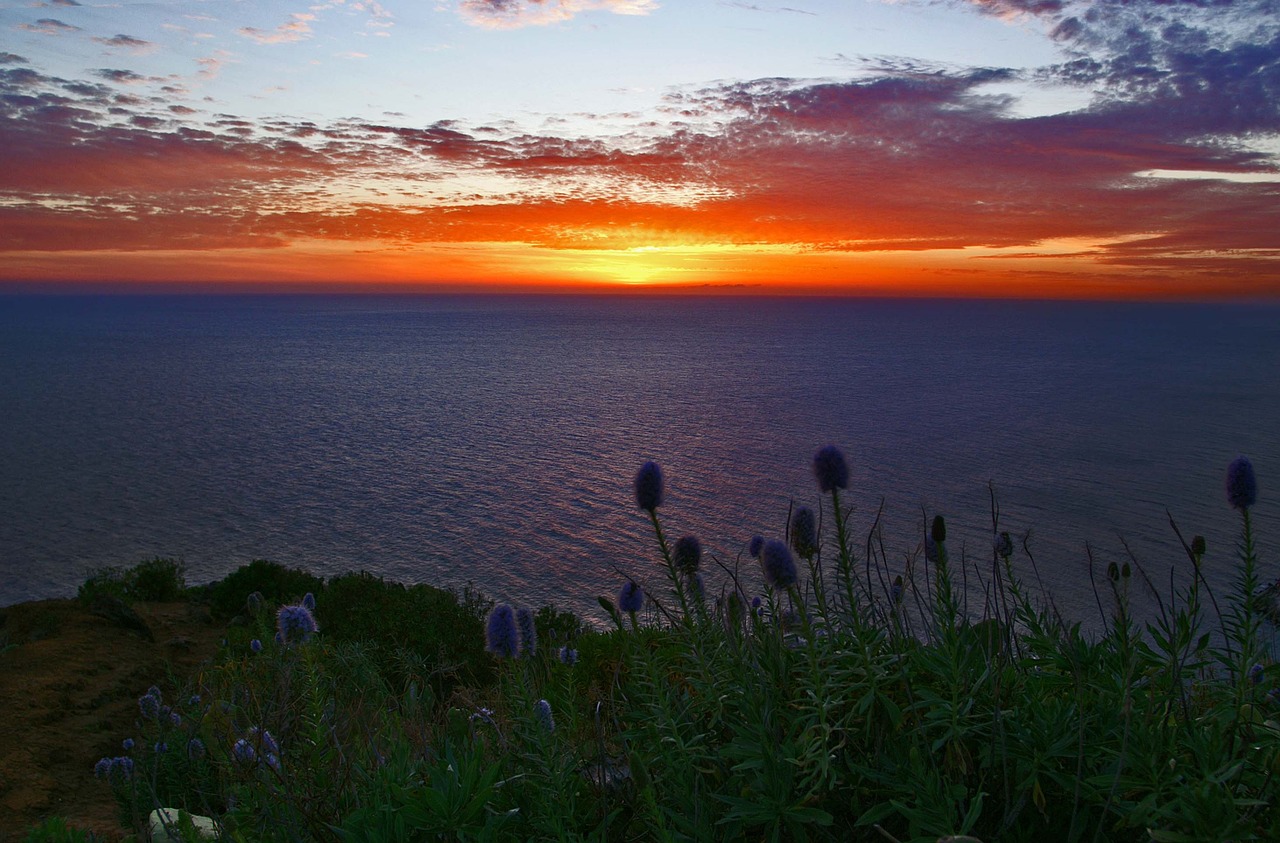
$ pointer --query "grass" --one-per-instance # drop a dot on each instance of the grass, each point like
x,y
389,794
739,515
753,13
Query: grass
x,y
839,704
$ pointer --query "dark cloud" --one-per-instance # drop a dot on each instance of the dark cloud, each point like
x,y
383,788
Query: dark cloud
x,y
49,26
120,77
127,42
11,58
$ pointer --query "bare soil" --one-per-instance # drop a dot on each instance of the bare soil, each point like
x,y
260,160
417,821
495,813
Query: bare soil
x,y
70,679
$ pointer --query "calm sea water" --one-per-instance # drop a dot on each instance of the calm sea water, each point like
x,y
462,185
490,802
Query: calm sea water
x,y
494,439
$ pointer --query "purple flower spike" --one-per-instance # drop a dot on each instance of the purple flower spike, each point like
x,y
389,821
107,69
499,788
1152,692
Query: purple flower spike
x,y
1242,484
687,554
309,602
255,645
244,752
830,469
102,769
500,635
630,597
938,531
528,632
757,542
295,624
123,766
779,567
649,487
543,712
804,531
149,706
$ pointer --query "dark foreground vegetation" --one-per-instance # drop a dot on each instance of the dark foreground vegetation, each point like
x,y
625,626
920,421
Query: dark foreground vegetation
x,y
839,702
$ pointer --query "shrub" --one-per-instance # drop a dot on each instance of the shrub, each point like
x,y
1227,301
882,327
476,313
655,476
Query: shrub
x,y
276,583
56,830
155,580
439,632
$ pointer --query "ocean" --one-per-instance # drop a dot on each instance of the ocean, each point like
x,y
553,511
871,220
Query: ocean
x,y
494,440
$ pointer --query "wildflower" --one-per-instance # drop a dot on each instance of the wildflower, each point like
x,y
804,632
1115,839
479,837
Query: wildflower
x,y
161,747
500,636
896,590
756,602
194,701
264,739
254,602
930,549
195,749
779,567
244,752
568,656
123,766
149,706
1004,546
295,623
649,487
272,761
938,532
1197,545
687,554
309,602
630,597
804,531
1255,674
830,469
175,718
127,743
1242,484
482,713
528,632
543,711
102,769
753,549
255,645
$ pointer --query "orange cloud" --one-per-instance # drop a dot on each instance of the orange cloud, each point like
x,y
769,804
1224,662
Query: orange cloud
x,y
911,180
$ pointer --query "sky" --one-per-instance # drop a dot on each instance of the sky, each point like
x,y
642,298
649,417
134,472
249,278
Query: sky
x,y
1025,148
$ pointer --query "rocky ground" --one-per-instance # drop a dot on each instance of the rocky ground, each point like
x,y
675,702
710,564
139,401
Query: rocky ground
x,y
70,677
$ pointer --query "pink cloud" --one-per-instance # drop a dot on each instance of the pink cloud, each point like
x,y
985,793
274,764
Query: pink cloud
x,y
298,28
514,14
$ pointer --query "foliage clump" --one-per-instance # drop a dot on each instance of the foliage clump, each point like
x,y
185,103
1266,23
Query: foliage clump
x,y
155,580
833,696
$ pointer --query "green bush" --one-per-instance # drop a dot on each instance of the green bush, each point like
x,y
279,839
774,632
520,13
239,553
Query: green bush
x,y
276,583
155,580
411,630
56,830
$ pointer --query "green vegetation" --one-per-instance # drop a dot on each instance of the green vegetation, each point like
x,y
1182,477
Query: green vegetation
x,y
155,580
841,704
56,830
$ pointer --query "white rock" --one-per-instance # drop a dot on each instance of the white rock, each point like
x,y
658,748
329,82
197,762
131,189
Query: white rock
x,y
204,826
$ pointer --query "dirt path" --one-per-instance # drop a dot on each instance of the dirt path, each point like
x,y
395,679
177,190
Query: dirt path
x,y
69,684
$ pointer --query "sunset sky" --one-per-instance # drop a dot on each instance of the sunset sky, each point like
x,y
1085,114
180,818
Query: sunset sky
x,y
1105,148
